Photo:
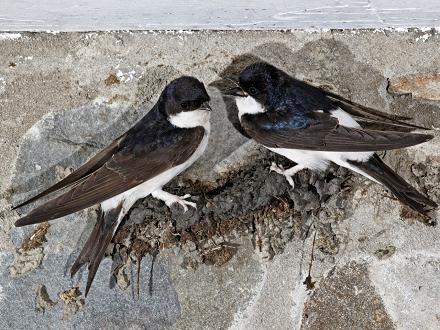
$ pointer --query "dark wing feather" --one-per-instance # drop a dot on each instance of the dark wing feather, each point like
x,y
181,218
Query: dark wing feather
x,y
366,116
322,133
126,169
92,165
369,115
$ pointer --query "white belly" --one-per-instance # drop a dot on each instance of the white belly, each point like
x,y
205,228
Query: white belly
x,y
320,160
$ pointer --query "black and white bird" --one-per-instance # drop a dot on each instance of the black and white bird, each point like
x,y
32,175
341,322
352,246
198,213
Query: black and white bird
x,y
314,128
165,142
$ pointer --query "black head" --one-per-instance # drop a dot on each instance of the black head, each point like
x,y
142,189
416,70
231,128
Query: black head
x,y
184,94
262,81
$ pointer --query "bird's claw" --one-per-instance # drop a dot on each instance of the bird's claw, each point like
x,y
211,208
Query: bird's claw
x,y
290,180
277,168
181,200
280,170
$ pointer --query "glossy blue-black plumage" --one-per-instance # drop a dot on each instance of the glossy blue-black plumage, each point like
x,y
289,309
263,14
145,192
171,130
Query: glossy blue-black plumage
x,y
289,99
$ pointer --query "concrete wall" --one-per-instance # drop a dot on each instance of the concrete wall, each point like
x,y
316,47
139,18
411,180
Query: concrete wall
x,y
241,260
81,15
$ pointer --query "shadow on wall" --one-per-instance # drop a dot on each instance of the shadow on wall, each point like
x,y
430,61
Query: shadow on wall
x,y
330,64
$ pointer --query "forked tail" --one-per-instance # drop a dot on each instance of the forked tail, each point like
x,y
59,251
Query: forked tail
x,y
94,249
404,192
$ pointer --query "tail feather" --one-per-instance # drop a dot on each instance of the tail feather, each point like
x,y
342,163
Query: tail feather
x,y
94,249
404,192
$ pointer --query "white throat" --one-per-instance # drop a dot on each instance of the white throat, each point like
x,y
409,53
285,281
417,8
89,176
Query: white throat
x,y
248,105
190,119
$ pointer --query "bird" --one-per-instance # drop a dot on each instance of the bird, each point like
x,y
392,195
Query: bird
x,y
314,128
161,145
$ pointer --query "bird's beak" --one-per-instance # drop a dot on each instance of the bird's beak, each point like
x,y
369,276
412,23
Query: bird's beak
x,y
235,91
229,86
205,106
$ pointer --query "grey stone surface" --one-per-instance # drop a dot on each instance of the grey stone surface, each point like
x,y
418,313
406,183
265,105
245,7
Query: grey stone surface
x,y
344,297
241,259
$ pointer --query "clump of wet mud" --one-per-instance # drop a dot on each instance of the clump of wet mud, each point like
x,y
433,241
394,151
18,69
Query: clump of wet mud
x,y
254,203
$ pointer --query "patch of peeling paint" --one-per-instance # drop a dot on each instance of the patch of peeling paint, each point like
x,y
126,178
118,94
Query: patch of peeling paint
x,y
10,36
127,76
424,37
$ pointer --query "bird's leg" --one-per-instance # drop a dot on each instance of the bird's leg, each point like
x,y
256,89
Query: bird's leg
x,y
170,199
287,173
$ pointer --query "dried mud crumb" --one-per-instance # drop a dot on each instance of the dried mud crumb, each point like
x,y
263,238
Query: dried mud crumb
x,y
327,241
72,302
219,255
122,279
385,252
36,238
112,79
42,300
26,261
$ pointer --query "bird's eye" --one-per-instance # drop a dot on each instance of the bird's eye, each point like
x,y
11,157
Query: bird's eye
x,y
184,105
197,104
253,91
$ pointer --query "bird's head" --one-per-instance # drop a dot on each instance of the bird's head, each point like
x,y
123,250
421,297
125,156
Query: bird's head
x,y
260,81
186,102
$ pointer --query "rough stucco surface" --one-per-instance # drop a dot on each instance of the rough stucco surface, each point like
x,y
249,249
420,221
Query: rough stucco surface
x,y
240,260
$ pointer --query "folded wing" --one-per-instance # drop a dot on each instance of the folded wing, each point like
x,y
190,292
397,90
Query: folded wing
x,y
89,167
123,170
322,132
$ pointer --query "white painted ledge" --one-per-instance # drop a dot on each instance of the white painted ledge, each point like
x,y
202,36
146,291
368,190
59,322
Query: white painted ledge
x,y
102,15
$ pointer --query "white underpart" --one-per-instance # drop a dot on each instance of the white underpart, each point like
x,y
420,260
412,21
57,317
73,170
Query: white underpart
x,y
129,197
189,119
314,160
248,105
344,118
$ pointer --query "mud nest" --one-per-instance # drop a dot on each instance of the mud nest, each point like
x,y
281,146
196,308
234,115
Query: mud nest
x,y
253,203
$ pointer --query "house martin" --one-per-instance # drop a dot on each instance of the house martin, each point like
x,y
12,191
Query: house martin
x,y
315,128
165,142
